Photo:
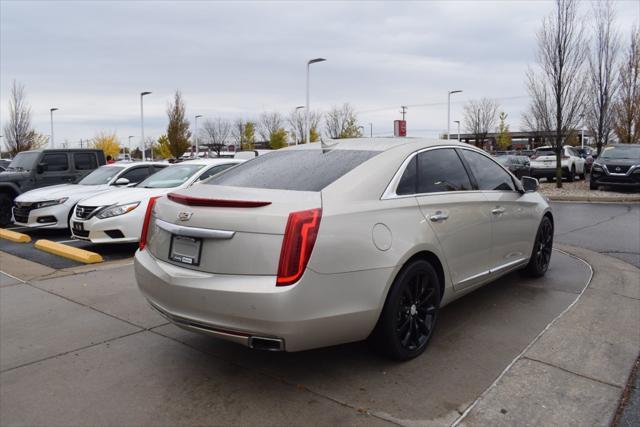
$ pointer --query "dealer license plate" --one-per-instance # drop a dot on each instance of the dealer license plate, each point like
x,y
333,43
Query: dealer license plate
x,y
186,250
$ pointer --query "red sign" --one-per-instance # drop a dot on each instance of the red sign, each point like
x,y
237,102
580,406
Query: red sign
x,y
400,128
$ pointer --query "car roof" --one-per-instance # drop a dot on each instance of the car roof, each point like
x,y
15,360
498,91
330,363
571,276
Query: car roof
x,y
127,164
378,144
210,161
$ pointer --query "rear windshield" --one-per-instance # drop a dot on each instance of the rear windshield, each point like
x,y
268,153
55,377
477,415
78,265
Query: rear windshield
x,y
298,170
545,152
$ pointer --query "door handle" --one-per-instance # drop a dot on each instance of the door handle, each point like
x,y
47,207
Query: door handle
x,y
439,216
498,211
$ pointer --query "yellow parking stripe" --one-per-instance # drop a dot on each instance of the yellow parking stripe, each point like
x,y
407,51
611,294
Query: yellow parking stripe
x,y
69,252
14,236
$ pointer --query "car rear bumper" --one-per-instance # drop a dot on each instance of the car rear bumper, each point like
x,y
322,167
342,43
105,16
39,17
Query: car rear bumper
x,y
545,172
320,310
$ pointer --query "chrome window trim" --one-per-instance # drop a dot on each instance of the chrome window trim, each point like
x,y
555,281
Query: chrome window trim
x,y
203,233
390,191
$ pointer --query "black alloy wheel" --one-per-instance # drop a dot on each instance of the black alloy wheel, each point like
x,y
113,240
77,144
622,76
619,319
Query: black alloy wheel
x,y
410,314
541,255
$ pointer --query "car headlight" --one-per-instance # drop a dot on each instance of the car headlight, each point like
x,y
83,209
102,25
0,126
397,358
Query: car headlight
x,y
48,203
117,210
596,168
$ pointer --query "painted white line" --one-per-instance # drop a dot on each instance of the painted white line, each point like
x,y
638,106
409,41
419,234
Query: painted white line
x,y
67,241
513,362
12,276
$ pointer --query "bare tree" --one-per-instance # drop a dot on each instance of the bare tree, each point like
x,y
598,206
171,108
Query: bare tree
x,y
237,133
480,117
602,74
19,134
296,121
557,89
342,122
269,124
627,106
216,132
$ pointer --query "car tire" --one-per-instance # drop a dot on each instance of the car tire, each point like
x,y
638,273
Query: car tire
x,y
6,202
572,174
410,312
542,247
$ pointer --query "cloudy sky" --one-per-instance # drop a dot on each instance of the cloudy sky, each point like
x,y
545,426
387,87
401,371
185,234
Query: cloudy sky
x,y
91,59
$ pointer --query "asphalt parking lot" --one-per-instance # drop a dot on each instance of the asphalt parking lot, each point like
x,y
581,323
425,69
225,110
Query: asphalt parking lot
x,y
28,251
87,350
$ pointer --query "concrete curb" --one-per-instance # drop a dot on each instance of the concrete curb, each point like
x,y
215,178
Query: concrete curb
x,y
66,251
604,199
14,236
575,371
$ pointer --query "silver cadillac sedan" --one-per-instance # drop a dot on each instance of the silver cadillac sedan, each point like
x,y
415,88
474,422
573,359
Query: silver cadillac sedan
x,y
318,245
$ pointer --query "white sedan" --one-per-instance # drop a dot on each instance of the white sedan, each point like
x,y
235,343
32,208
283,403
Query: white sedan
x,y
313,246
51,207
117,216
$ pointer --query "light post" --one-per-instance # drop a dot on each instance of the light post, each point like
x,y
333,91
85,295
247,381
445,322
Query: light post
x,y
130,155
582,129
306,111
142,142
195,134
370,130
451,92
51,110
458,122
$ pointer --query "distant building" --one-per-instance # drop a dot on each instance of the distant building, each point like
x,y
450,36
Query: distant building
x,y
526,140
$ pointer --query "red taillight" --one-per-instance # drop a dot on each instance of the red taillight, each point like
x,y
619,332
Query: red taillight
x,y
219,203
565,157
299,238
145,224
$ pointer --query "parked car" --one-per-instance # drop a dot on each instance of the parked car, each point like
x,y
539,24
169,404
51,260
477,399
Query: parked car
x,y
588,154
117,216
51,207
543,163
517,165
312,246
41,168
617,166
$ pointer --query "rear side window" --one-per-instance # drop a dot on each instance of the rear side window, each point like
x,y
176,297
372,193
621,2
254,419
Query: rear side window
x,y
214,170
441,170
56,162
136,175
488,174
298,170
409,182
85,161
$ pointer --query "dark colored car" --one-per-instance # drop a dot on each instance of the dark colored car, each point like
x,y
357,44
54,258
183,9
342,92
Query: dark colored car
x,y
617,166
41,168
517,165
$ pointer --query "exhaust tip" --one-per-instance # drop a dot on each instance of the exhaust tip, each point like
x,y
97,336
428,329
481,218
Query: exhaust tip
x,y
266,344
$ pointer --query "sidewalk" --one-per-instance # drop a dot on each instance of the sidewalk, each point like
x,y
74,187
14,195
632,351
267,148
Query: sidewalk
x,y
575,372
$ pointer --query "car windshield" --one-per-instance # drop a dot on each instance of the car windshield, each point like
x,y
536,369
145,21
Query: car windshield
x,y
630,153
545,152
503,160
172,176
298,170
24,162
101,176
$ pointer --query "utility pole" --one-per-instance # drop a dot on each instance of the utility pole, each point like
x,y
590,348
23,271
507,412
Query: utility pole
x,y
404,110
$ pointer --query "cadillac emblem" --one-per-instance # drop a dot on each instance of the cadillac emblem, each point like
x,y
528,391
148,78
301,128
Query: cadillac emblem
x,y
184,216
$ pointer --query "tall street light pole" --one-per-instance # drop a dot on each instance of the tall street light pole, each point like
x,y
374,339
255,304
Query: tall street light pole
x,y
370,130
582,129
458,122
195,134
451,92
142,141
51,110
130,155
306,111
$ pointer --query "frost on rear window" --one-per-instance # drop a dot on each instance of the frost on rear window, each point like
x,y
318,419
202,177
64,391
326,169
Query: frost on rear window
x,y
298,170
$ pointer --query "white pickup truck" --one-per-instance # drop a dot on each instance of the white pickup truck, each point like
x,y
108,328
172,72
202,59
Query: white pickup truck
x,y
543,163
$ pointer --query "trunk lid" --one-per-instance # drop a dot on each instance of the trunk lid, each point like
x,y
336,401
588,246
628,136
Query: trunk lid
x,y
257,232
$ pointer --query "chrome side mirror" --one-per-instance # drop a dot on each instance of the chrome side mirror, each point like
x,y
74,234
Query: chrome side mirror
x,y
529,184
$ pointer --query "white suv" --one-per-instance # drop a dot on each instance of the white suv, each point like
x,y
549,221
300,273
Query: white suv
x,y
543,163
